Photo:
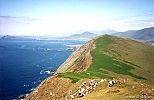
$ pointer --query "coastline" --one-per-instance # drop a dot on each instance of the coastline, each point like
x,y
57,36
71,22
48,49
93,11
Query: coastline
x,y
75,45
36,88
77,51
55,87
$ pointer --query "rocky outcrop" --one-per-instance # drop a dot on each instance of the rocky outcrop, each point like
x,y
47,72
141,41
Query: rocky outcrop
x,y
52,88
79,60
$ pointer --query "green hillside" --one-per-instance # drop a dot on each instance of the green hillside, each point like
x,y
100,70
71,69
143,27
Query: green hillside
x,y
130,63
112,57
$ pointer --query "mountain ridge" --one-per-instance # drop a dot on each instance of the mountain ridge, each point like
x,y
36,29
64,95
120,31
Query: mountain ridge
x,y
110,58
146,34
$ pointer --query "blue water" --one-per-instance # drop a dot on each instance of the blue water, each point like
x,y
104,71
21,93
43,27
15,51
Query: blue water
x,y
23,64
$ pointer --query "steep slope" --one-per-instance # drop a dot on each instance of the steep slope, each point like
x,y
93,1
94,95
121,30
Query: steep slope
x,y
129,62
79,61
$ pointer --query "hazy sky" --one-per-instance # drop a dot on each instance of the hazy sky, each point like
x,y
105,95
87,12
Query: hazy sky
x,y
60,17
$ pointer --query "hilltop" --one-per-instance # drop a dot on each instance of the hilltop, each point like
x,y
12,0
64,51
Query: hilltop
x,y
100,60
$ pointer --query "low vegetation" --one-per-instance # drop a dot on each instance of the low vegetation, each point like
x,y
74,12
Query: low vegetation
x,y
128,62
102,64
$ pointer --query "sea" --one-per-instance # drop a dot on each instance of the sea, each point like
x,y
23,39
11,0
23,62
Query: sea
x,y
25,63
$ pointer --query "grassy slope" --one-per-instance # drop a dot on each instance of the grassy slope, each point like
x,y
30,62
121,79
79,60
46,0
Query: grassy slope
x,y
103,64
130,62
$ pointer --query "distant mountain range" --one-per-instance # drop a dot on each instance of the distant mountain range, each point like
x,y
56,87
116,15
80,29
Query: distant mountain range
x,y
10,37
146,34
89,35
84,35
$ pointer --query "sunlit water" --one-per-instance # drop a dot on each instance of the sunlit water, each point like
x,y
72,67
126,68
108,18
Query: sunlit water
x,y
25,63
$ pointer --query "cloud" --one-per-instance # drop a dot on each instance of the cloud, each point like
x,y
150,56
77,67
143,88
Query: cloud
x,y
64,25
22,25
55,25
135,22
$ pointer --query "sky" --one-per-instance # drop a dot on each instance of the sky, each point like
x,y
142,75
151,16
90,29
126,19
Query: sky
x,y
64,17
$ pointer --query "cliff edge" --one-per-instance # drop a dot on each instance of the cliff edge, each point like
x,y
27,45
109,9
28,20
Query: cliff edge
x,y
86,74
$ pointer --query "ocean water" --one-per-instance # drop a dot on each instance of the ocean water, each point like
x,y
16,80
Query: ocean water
x,y
25,63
